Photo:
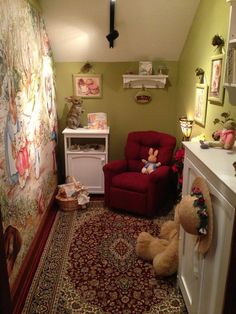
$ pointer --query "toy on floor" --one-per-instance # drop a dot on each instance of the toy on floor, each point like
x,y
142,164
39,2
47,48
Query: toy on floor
x,y
195,214
151,164
227,136
162,250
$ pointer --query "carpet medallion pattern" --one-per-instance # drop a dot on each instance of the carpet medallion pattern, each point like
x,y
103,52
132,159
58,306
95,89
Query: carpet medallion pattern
x,y
89,266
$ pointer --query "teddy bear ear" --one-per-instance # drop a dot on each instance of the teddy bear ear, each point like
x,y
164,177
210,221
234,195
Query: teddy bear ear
x,y
156,152
150,152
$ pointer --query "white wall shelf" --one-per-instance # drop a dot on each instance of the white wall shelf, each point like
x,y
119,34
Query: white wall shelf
x,y
147,81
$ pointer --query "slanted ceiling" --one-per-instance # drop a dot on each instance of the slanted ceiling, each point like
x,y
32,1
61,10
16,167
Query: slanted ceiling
x,y
149,29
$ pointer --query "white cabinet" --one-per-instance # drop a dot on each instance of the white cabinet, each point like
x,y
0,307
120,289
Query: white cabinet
x,y
202,279
86,152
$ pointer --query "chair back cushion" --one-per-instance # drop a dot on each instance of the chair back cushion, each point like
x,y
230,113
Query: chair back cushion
x,y
139,142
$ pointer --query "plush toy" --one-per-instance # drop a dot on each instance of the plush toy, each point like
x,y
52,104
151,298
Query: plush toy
x,y
75,112
151,164
162,250
226,136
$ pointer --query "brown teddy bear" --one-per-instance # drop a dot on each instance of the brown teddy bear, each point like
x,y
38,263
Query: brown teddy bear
x,y
195,214
162,250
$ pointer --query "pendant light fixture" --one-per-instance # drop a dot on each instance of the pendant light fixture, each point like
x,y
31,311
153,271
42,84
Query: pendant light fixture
x,y
113,32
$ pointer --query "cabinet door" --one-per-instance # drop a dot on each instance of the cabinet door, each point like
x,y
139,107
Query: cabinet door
x,y
87,168
202,279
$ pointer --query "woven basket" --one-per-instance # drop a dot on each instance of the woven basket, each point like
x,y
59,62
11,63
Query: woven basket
x,y
68,204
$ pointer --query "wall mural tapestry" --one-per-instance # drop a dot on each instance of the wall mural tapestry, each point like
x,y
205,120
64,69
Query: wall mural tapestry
x,y
28,128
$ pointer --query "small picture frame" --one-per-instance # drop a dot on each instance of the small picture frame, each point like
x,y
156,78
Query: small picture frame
x,y
216,89
145,68
87,85
200,104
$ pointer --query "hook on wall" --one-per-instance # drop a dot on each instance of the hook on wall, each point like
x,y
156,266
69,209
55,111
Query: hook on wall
x,y
200,73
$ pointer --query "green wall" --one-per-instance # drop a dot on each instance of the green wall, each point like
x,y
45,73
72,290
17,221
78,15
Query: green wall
x,y
124,114
211,18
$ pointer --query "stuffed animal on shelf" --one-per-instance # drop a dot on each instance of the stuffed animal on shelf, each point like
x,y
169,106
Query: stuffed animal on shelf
x,y
162,250
227,136
151,164
75,112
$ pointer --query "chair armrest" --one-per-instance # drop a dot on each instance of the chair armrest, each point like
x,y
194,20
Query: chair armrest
x,y
110,170
161,173
115,167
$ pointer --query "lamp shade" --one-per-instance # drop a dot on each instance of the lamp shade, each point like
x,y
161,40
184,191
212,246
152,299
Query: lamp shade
x,y
186,127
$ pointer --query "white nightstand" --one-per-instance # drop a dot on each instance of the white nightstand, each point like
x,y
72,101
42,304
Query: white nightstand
x,y
86,152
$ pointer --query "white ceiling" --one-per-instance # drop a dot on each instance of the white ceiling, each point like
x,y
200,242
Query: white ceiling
x,y
149,29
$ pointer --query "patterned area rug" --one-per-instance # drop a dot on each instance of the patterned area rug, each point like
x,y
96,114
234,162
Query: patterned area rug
x,y
89,265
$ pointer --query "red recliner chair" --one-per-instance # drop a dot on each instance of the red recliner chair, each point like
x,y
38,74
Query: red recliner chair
x,y
128,189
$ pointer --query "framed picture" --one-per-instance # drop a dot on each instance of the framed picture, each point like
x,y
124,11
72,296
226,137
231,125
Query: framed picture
x,y
145,68
200,104
88,85
216,89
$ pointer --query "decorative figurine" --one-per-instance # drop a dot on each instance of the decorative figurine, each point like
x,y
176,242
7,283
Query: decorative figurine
x,y
224,138
200,73
73,116
86,68
218,42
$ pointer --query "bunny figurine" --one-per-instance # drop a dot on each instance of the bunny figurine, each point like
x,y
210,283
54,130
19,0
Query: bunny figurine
x,y
151,164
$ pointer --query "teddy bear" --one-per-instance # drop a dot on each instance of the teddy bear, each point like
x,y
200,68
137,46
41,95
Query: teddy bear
x,y
151,164
162,250
226,136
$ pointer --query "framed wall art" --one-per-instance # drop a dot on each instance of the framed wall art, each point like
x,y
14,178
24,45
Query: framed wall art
x,y
145,68
87,85
216,90
200,104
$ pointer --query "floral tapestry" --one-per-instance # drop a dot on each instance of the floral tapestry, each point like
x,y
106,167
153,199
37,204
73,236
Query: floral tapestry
x,y
28,128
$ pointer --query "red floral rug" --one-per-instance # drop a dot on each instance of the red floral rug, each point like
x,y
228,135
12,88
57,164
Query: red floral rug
x,y
89,266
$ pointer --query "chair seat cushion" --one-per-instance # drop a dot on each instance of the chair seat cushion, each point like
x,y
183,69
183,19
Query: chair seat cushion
x,y
132,181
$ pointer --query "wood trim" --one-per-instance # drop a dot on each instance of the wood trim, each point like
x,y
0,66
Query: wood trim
x,y
5,296
29,266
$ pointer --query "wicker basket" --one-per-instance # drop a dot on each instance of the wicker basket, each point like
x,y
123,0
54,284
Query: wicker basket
x,y
69,203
